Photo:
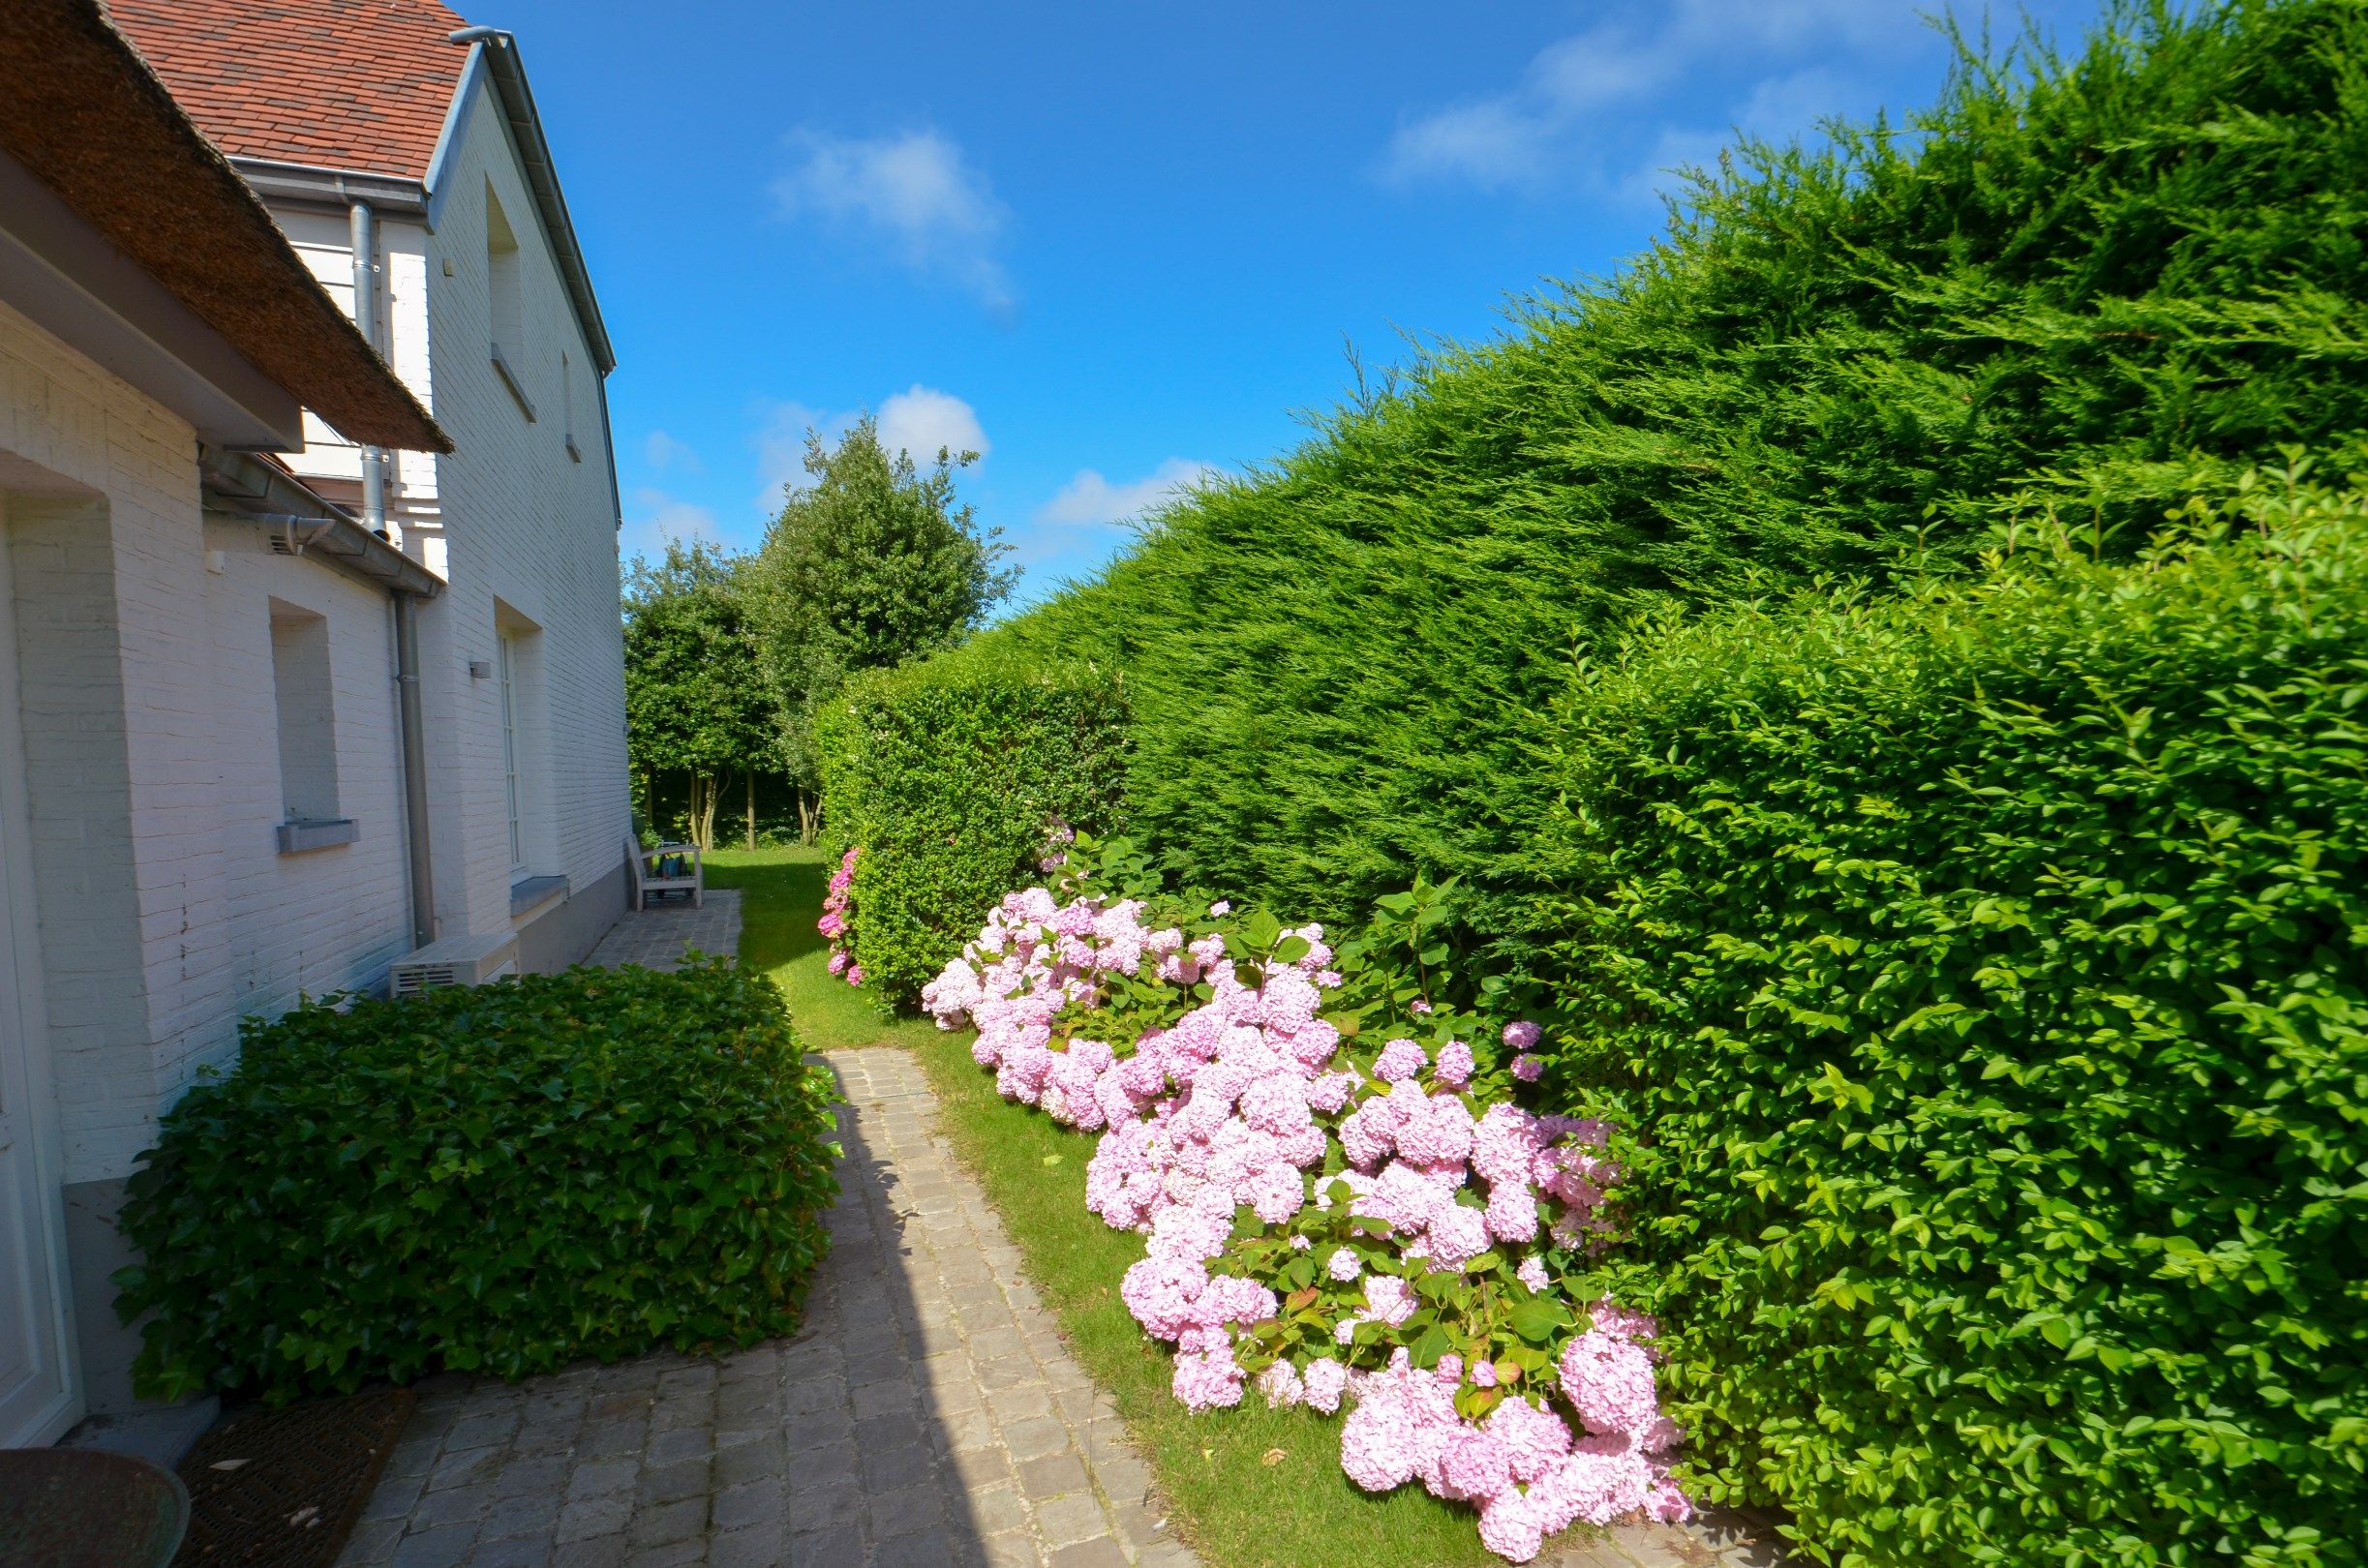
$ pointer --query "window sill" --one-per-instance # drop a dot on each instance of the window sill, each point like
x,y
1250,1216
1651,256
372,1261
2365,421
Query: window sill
x,y
509,379
531,894
574,451
312,834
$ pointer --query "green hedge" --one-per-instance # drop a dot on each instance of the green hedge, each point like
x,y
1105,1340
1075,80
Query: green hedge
x,y
1988,976
948,774
2072,280
500,1179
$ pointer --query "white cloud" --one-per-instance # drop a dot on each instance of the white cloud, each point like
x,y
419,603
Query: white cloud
x,y
1566,113
655,517
780,449
1089,498
914,193
921,420
663,453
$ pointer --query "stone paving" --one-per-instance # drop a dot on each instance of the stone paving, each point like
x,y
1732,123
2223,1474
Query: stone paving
x,y
656,938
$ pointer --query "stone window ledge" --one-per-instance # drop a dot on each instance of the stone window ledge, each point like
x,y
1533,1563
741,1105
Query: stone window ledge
x,y
314,832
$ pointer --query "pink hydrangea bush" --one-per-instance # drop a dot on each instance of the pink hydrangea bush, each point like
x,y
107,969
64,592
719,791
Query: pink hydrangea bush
x,y
837,919
1328,1223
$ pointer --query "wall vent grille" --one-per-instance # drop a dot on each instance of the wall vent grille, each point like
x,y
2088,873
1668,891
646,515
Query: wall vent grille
x,y
472,959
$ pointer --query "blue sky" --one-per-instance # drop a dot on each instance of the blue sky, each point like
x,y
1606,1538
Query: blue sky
x,y
1112,245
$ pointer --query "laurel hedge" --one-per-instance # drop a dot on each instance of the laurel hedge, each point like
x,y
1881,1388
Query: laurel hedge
x,y
500,1179
1986,972
953,777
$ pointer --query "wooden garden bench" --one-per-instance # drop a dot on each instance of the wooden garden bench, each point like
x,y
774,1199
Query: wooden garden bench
x,y
651,877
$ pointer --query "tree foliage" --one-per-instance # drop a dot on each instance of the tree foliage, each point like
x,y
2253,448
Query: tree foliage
x,y
696,700
872,564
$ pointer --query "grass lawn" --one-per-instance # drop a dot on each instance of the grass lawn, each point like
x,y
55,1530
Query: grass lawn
x,y
1252,1487
780,899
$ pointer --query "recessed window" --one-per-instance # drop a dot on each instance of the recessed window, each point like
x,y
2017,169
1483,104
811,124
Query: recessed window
x,y
567,404
305,698
505,324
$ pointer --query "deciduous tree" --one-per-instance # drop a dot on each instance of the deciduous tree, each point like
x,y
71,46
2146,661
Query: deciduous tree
x,y
871,564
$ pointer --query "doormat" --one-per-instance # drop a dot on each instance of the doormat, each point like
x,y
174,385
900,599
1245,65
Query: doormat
x,y
283,1489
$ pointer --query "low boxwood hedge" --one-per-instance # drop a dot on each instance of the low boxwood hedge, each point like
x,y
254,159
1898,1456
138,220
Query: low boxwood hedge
x,y
502,1179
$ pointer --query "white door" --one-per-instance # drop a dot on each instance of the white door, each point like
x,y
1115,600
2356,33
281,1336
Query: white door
x,y
36,1399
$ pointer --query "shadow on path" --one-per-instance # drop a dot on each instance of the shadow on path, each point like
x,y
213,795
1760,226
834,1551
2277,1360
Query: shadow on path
x,y
874,1473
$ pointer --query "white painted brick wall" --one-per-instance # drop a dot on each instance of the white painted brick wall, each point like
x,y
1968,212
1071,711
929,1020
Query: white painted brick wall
x,y
165,911
528,526
510,520
332,918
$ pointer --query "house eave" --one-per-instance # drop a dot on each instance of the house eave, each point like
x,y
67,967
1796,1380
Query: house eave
x,y
69,280
82,116
247,487
316,186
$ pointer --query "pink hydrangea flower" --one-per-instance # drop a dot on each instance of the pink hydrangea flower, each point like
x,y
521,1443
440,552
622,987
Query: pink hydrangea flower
x,y
1281,1384
1535,1437
1477,1467
1522,1036
1454,1066
1389,1299
1322,1383
1512,1526
1237,1103
1207,1379
1528,1069
1608,1379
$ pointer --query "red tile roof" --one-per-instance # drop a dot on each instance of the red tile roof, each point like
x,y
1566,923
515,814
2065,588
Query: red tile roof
x,y
361,85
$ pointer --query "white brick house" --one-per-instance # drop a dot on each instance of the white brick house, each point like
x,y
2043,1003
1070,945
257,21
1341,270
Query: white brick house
x,y
209,804
377,123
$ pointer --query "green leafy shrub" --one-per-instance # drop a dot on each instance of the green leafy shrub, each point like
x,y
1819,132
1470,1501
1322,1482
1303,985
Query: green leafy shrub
x,y
1987,973
501,1179
952,776
2067,281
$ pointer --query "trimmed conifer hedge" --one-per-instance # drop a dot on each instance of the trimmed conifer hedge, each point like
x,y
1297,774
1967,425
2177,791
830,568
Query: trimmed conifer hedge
x,y
2067,289
953,777
1985,974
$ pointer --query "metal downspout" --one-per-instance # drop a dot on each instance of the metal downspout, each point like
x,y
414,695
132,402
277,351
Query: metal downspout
x,y
414,768
406,608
